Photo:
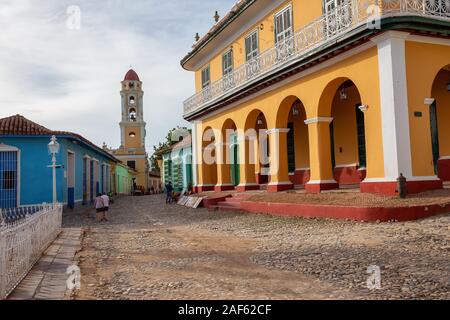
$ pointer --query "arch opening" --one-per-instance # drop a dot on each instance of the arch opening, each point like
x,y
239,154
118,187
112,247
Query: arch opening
x,y
439,129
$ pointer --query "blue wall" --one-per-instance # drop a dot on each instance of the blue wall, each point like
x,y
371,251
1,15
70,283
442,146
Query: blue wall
x,y
36,177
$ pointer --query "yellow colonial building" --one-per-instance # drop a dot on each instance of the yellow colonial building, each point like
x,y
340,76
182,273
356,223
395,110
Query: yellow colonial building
x,y
347,92
132,150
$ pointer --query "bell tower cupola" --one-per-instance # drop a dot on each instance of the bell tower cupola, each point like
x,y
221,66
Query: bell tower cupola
x,y
132,125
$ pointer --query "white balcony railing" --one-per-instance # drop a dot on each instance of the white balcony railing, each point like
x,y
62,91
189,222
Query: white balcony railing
x,y
343,19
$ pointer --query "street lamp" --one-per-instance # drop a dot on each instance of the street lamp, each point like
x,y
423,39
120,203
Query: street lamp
x,y
53,150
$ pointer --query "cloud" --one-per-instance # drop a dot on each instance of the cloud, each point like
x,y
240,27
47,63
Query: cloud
x,y
69,79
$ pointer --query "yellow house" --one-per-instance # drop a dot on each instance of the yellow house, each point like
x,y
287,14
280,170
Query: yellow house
x,y
332,93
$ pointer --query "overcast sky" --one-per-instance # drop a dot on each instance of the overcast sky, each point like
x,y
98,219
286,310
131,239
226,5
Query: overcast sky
x,y
69,79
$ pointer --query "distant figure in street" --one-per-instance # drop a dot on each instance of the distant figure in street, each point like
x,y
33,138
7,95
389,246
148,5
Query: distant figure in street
x,y
99,207
105,199
169,192
189,189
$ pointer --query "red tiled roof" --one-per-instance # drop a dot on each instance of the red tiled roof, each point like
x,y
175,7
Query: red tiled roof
x,y
131,76
21,126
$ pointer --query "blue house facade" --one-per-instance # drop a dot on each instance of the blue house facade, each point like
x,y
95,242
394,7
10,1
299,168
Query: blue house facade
x,y
25,175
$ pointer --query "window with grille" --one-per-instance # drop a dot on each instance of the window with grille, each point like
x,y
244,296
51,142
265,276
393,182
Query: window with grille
x,y
8,179
251,46
283,25
227,62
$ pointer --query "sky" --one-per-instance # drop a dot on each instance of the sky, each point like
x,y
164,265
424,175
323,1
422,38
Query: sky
x,y
61,62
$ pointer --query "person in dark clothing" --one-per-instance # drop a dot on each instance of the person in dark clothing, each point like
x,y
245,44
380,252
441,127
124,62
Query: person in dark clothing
x,y
169,192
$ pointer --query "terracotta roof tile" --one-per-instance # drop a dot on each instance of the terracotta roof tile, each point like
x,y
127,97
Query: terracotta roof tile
x,y
19,125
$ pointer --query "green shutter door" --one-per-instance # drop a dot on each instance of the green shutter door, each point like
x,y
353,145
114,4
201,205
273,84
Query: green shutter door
x,y
434,136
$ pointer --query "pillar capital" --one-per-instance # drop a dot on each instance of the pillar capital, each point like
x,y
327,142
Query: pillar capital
x,y
364,107
429,101
319,120
277,130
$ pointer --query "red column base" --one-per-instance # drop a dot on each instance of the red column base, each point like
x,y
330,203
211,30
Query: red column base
x,y
389,188
319,187
349,175
222,188
250,187
261,179
300,177
444,169
201,189
273,188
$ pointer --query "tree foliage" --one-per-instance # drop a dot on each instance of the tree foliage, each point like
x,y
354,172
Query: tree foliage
x,y
170,139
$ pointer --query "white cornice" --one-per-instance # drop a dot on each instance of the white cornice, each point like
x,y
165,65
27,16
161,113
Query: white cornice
x,y
277,130
6,148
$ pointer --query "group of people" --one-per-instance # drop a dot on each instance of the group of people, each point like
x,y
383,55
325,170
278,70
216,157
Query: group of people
x,y
101,204
170,196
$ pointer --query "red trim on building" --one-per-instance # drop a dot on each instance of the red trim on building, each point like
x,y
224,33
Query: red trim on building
x,y
201,189
390,188
261,179
349,175
444,169
300,177
319,187
221,188
340,212
241,188
273,188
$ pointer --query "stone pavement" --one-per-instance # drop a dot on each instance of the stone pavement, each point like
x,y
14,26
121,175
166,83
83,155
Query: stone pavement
x,y
47,280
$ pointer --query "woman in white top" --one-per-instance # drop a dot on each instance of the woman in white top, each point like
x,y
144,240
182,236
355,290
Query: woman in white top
x,y
99,207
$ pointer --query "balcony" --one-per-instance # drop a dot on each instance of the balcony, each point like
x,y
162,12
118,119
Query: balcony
x,y
330,26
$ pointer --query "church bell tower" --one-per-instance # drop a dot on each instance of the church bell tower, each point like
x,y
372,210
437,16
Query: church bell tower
x,y
132,126
132,129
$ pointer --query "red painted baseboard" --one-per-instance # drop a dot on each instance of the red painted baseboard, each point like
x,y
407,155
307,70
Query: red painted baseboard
x,y
273,188
444,169
349,175
247,188
222,188
319,187
390,188
340,212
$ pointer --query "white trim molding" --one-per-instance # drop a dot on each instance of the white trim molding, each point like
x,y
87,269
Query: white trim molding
x,y
277,130
444,158
284,183
319,119
322,182
7,148
248,185
303,169
348,165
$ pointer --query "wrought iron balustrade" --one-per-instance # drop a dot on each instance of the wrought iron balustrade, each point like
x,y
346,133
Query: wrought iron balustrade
x,y
328,27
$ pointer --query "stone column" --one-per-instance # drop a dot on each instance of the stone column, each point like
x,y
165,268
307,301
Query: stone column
x,y
279,171
322,177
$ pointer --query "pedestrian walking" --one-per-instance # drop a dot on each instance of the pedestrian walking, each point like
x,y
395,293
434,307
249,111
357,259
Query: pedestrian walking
x,y
106,201
169,192
99,207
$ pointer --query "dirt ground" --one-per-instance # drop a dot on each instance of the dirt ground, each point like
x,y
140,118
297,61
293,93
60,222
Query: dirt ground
x,y
150,250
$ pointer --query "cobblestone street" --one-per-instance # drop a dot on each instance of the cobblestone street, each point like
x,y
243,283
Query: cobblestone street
x,y
150,250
